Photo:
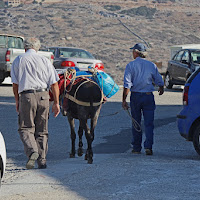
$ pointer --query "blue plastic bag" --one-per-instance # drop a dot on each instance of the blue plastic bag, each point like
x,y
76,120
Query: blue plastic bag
x,y
105,82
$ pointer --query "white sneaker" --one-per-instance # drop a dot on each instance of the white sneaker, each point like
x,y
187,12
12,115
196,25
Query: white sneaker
x,y
31,162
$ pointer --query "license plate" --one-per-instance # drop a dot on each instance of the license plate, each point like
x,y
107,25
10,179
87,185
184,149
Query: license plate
x,y
83,66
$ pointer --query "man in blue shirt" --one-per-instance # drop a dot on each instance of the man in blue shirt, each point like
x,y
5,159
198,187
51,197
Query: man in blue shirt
x,y
140,77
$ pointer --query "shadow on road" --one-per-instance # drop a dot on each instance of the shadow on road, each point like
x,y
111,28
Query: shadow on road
x,y
116,141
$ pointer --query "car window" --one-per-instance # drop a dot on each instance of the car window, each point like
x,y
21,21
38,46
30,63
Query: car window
x,y
15,42
2,40
52,50
11,42
75,53
196,57
178,56
19,43
65,53
84,54
185,58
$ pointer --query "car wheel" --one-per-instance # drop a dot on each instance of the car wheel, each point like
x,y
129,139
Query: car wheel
x,y
168,82
2,80
0,177
196,139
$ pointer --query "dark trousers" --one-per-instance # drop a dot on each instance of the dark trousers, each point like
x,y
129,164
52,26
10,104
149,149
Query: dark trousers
x,y
33,123
143,104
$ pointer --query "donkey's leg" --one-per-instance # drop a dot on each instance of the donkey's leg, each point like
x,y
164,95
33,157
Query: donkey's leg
x,y
91,136
73,136
80,134
87,135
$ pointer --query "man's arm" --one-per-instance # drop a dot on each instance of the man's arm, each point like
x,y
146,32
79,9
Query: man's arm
x,y
55,92
124,103
15,91
159,81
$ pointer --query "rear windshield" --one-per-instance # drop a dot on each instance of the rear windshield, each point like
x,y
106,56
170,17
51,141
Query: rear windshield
x,y
3,41
196,57
11,42
75,53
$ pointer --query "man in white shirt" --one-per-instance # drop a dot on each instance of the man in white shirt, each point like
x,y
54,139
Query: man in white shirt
x,y
32,76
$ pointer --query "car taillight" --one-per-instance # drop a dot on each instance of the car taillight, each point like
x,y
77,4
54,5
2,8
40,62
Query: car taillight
x,y
7,55
68,64
99,66
52,58
185,95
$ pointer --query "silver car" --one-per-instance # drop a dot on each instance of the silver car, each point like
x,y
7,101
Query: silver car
x,y
74,57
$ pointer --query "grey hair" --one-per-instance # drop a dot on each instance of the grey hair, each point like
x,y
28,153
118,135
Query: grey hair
x,y
141,53
32,43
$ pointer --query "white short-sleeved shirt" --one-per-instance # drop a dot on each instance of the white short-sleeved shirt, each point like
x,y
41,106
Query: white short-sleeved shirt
x,y
32,71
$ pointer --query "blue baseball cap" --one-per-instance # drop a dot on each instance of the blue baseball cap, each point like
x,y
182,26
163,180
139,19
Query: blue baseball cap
x,y
140,47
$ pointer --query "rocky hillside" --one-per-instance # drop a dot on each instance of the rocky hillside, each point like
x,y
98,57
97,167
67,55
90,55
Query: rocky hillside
x,y
108,28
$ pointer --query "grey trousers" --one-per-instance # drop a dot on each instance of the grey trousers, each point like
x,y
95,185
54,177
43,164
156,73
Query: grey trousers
x,y
33,123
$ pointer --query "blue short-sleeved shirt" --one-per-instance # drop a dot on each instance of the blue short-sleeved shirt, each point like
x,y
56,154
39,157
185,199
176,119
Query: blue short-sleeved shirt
x,y
33,71
140,75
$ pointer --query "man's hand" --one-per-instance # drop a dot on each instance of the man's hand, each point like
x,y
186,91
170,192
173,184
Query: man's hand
x,y
17,106
161,90
55,92
56,109
125,105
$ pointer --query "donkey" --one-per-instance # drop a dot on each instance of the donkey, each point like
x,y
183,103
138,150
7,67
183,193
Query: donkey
x,y
84,101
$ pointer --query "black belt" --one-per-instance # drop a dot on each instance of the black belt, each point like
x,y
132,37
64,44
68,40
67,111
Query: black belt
x,y
148,93
34,91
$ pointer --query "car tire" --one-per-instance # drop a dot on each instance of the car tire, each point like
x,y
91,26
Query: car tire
x,y
196,139
2,80
0,177
168,82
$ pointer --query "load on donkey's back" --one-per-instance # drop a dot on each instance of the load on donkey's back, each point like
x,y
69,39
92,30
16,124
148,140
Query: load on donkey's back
x,y
72,76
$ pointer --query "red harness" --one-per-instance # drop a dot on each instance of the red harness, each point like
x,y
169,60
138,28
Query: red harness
x,y
61,85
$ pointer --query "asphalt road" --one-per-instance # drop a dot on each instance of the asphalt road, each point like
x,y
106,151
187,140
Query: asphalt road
x,y
171,173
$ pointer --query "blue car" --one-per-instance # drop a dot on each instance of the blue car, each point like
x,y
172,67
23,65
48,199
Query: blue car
x,y
189,117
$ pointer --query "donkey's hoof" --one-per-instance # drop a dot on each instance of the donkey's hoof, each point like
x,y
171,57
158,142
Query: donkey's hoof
x,y
80,152
71,155
86,156
90,161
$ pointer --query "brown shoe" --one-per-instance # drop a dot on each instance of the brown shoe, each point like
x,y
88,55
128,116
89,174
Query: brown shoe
x,y
31,161
136,152
43,166
149,152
